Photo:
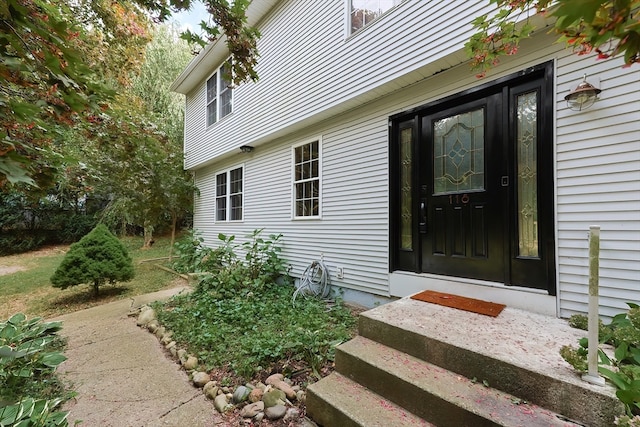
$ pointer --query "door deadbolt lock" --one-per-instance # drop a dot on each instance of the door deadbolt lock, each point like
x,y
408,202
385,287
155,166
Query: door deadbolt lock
x,y
505,181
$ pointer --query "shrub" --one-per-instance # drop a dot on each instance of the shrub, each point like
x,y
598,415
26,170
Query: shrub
x,y
29,355
624,369
98,258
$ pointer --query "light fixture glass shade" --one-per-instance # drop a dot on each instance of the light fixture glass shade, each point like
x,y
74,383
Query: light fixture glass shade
x,y
583,96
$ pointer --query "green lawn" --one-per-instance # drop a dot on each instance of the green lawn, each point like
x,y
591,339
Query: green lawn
x,y
29,291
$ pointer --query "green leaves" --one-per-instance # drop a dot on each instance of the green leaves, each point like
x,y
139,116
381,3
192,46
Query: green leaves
x,y
608,28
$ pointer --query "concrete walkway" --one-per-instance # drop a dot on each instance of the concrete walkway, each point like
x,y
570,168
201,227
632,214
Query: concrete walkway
x,y
122,374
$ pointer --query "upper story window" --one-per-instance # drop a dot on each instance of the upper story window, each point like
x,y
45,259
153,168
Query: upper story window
x,y
219,94
363,12
229,195
306,180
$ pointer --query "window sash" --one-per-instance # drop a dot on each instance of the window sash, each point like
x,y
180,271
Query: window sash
x,y
306,180
364,12
219,95
229,195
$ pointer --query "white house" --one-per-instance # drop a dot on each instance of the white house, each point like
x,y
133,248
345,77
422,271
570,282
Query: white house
x,y
376,148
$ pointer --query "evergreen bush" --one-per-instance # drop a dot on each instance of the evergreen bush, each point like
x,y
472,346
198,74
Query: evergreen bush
x,y
98,258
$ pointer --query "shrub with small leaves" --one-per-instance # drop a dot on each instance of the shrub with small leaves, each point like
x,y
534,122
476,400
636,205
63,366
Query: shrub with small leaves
x,y
98,258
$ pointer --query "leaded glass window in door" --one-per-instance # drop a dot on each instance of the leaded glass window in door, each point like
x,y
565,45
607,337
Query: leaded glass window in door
x,y
527,142
458,144
406,177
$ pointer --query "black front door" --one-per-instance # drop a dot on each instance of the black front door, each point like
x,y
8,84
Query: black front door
x,y
472,184
461,199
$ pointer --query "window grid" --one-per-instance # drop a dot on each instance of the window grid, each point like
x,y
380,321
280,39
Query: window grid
x,y
363,12
307,180
229,195
219,94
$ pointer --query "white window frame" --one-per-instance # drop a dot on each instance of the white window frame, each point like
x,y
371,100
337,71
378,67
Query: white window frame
x,y
222,87
294,182
229,195
380,13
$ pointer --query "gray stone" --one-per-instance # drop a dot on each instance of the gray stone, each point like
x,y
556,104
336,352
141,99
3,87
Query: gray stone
x,y
292,414
286,388
200,379
210,389
273,397
191,363
275,412
261,386
166,337
182,355
160,331
301,395
252,410
259,416
221,403
153,326
170,345
146,316
240,395
173,351
307,423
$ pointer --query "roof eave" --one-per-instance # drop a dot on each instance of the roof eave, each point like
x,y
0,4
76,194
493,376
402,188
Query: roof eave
x,y
216,52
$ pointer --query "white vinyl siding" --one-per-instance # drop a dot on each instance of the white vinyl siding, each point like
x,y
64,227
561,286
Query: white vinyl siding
x,y
320,84
308,75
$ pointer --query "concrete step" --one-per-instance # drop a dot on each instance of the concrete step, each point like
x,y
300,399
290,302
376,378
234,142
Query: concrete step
x,y
336,401
516,352
435,394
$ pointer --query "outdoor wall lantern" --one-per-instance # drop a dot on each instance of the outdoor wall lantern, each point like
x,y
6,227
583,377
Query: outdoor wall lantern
x,y
246,148
583,96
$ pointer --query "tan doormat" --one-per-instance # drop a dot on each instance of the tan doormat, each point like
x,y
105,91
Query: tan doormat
x,y
461,303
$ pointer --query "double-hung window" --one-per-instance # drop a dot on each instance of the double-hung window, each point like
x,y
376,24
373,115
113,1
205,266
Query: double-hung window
x,y
219,94
306,180
363,12
229,195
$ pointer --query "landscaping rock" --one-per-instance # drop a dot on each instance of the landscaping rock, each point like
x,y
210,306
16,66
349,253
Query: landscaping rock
x,y
200,379
252,410
241,394
191,363
307,423
170,345
274,378
160,331
275,412
146,316
292,414
221,403
261,386
286,388
273,397
255,395
166,338
153,325
301,395
210,390
258,417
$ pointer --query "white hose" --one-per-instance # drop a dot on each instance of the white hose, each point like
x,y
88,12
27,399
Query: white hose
x,y
314,281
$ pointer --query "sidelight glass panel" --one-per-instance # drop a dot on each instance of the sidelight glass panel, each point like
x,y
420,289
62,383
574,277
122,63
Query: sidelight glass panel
x,y
458,156
527,141
406,173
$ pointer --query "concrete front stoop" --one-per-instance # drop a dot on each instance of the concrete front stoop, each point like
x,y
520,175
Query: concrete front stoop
x,y
416,363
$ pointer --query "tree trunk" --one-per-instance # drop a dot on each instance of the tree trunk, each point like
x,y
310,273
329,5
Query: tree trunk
x,y
174,221
148,235
96,288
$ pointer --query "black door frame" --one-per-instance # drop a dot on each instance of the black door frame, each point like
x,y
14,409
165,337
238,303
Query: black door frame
x,y
409,260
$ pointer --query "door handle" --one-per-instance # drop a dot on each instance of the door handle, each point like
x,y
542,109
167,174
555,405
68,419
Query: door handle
x,y
423,216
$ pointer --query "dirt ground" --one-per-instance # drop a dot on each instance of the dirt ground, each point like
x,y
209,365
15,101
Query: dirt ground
x,y
11,264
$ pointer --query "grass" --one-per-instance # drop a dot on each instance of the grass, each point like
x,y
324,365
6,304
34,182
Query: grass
x,y
29,291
